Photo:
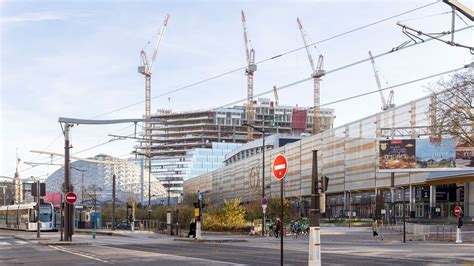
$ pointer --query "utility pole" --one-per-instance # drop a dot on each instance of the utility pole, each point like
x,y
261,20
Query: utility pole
x,y
314,257
38,223
67,186
68,123
113,202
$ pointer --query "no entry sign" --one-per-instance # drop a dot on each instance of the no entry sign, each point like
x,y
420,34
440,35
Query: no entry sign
x,y
70,197
280,166
457,211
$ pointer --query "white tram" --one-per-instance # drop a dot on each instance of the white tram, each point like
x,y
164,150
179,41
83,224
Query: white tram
x,y
25,217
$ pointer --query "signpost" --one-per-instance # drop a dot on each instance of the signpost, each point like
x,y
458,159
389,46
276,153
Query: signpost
x,y
70,197
457,213
279,169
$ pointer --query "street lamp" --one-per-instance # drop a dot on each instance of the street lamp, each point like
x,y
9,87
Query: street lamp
x,y
148,156
264,200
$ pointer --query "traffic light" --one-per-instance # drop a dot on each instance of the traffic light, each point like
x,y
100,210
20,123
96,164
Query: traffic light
x,y
324,183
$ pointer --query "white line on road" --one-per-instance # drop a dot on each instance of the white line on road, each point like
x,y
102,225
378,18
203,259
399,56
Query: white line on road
x,y
5,244
180,257
78,254
21,242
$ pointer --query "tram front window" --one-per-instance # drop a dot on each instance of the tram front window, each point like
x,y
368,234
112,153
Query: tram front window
x,y
46,214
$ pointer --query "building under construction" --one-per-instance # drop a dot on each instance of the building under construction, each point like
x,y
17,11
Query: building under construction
x,y
176,135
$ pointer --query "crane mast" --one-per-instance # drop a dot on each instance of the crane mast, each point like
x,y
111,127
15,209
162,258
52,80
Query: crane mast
x,y
385,104
275,93
251,68
146,68
318,72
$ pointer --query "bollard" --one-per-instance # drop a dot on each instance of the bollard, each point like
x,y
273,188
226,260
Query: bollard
x,y
314,257
93,231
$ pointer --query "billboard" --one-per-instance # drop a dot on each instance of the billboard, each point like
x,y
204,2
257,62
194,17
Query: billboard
x,y
397,154
419,155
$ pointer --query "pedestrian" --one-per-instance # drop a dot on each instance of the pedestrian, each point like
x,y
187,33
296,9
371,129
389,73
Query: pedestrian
x,y
192,229
277,228
375,227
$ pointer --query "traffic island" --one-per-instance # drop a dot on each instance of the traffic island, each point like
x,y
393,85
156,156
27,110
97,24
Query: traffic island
x,y
208,240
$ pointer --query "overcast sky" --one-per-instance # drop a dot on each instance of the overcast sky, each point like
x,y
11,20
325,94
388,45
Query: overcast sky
x,y
79,59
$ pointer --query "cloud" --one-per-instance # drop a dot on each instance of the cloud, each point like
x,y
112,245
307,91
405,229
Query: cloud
x,y
31,18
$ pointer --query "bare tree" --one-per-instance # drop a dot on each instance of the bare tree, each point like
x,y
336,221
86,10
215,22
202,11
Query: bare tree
x,y
451,108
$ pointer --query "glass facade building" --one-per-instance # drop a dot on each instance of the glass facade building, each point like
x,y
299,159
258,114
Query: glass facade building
x,y
349,156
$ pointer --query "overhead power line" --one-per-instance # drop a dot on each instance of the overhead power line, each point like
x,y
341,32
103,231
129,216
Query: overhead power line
x,y
339,68
268,59
258,62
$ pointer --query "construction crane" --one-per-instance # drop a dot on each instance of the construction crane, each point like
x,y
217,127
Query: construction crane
x,y
251,68
318,72
275,93
385,104
146,69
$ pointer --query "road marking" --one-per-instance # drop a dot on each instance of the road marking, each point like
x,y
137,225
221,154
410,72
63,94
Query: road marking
x,y
78,254
21,242
178,257
5,244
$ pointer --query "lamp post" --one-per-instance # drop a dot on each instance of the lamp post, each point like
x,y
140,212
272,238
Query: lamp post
x,y
264,200
148,156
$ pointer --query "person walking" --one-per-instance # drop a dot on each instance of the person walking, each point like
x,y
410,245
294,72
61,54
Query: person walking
x,y
375,228
192,229
278,228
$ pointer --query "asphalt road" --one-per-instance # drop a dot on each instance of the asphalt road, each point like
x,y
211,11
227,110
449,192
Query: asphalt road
x,y
340,247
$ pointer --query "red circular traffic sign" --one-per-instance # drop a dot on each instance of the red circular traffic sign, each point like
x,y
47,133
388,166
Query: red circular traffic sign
x,y
457,211
280,167
70,197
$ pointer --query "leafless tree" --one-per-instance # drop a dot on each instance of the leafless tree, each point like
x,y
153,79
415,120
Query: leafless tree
x,y
451,108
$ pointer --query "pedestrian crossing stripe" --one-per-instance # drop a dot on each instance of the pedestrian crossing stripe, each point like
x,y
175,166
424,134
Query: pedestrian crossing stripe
x,y
5,244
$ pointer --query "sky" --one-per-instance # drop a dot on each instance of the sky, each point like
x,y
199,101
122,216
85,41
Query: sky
x,y
79,59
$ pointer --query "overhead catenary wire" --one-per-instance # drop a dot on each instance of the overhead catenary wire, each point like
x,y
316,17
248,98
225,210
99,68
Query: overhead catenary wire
x,y
258,62
339,68
270,58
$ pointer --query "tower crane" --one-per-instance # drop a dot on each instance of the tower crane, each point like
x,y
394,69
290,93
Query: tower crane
x,y
318,72
251,68
146,69
275,93
385,104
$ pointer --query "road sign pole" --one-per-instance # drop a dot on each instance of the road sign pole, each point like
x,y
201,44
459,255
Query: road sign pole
x,y
457,213
282,222
279,169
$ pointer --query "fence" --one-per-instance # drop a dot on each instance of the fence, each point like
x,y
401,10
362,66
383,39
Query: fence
x,y
438,232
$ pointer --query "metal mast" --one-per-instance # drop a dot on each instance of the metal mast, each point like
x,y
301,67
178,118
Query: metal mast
x,y
318,72
146,69
249,71
275,93
385,104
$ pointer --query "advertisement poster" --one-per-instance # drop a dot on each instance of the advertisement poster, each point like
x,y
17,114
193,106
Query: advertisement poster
x,y
418,155
397,154
440,154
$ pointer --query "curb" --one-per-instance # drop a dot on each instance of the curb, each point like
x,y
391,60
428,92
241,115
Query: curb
x,y
209,240
63,243
100,233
